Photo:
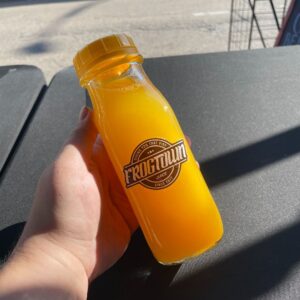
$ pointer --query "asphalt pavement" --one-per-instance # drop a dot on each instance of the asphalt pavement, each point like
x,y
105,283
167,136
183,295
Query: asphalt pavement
x,y
48,33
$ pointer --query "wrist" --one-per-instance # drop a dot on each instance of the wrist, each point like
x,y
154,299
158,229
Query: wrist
x,y
39,266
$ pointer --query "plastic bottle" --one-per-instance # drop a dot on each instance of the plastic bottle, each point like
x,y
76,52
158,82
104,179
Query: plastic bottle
x,y
149,152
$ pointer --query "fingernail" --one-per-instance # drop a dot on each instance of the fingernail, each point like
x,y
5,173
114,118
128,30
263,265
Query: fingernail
x,y
83,113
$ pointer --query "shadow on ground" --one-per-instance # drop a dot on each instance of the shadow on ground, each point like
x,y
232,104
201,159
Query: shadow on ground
x,y
42,45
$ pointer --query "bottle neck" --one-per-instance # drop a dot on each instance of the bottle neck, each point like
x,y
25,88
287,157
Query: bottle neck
x,y
132,70
112,67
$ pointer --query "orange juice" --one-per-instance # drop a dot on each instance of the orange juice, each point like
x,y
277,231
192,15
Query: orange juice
x,y
149,152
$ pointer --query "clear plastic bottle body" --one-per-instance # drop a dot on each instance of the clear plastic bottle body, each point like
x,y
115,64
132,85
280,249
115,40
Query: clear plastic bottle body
x,y
154,163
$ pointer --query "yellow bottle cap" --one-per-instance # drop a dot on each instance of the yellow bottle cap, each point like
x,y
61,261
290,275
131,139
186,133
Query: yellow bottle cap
x,y
117,46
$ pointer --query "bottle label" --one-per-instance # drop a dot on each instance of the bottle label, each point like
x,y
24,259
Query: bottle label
x,y
155,164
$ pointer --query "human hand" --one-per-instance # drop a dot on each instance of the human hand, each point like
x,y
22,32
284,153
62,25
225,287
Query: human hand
x,y
81,218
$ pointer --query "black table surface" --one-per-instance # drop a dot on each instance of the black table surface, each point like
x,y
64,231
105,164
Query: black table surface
x,y
20,87
242,111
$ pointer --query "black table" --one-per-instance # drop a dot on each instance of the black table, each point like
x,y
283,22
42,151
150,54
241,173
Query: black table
x,y
20,87
242,111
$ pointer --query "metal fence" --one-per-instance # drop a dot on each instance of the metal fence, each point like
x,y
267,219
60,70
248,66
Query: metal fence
x,y
255,23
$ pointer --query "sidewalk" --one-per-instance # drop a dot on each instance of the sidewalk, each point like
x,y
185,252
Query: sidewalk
x,y
49,34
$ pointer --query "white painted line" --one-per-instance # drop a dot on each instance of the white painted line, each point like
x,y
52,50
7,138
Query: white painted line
x,y
211,13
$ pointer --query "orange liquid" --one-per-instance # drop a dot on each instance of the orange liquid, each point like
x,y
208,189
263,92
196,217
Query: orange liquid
x,y
181,220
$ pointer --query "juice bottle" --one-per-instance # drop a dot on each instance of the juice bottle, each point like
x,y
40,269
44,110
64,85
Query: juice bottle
x,y
149,152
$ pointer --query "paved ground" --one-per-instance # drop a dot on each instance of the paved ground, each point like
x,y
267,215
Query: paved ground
x,y
49,34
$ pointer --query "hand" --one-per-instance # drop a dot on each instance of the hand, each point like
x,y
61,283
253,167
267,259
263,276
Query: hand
x,y
81,217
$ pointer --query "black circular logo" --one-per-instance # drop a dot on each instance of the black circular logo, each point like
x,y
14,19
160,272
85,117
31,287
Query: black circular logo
x,y
155,163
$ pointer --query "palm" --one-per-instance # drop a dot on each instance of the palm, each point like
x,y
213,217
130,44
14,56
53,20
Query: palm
x,y
81,203
105,219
